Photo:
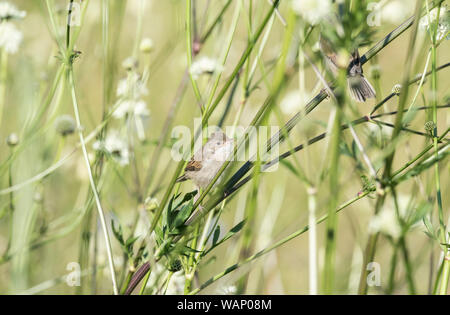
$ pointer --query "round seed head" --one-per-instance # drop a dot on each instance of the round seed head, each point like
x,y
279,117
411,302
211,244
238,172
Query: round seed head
x,y
12,140
147,45
396,89
65,125
429,126
419,78
130,63
175,265
151,204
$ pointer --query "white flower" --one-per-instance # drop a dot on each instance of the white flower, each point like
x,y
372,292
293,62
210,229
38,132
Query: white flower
x,y
227,290
10,37
427,19
176,284
205,65
130,91
9,11
141,110
65,125
115,146
151,203
444,22
386,220
132,87
312,11
12,140
146,45
396,11
130,63
154,280
293,102
376,129
137,108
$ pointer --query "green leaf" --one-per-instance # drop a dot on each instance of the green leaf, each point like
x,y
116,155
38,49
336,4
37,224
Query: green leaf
x,y
233,231
237,227
174,197
345,150
177,230
183,214
430,230
216,235
131,241
420,213
117,232
354,149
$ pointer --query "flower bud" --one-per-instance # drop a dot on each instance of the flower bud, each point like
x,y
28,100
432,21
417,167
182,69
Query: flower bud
x,y
147,45
12,140
130,63
430,126
151,204
174,265
65,125
396,89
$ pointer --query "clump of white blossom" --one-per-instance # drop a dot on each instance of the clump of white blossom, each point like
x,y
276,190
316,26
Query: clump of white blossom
x,y
9,12
443,28
130,98
115,146
293,102
176,283
146,45
130,91
396,11
151,203
227,290
65,125
387,222
10,36
313,11
205,65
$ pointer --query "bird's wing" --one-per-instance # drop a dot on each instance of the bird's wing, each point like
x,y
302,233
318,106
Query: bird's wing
x,y
193,165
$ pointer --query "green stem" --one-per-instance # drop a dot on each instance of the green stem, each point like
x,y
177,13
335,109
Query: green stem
x,y
434,81
205,119
144,283
408,266
370,250
393,263
273,246
330,247
92,182
190,52
3,76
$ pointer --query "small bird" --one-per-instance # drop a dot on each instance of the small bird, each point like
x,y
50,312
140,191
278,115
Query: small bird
x,y
207,161
360,89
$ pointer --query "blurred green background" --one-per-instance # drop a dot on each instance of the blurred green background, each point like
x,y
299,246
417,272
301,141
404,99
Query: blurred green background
x,y
281,196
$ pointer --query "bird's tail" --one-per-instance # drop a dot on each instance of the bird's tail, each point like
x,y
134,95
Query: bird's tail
x,y
360,89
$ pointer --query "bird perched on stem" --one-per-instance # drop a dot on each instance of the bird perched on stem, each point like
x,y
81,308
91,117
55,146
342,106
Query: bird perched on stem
x,y
360,89
207,161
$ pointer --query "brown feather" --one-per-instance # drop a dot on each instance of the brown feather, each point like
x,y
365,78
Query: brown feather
x,y
193,166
